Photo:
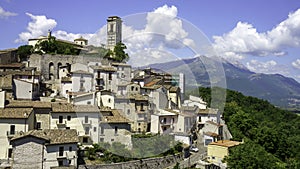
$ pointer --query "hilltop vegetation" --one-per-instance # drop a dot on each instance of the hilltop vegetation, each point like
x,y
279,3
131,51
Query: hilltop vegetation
x,y
272,135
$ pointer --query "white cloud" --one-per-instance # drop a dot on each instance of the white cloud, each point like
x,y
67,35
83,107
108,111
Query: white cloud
x,y
6,14
244,39
162,31
39,25
261,67
296,64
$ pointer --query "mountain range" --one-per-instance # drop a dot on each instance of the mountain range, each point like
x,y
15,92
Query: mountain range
x,y
279,90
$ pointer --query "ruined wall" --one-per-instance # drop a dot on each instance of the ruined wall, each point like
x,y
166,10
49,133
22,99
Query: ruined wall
x,y
44,62
150,163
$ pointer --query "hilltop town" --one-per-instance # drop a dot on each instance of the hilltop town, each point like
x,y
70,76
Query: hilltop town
x,y
56,104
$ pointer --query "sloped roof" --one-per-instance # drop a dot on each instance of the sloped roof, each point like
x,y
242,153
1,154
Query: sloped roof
x,y
6,82
225,143
15,113
69,108
28,104
114,117
104,68
52,136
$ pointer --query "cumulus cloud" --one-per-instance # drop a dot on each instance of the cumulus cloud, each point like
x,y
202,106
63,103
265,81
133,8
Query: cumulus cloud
x,y
39,25
296,64
5,14
162,31
244,39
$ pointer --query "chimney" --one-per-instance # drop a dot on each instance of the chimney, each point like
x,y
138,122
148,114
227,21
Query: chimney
x,y
2,99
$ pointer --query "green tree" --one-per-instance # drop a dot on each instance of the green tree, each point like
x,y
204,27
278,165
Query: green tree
x,y
24,51
118,54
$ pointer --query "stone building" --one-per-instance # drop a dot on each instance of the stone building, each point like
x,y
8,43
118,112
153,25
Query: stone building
x,y
47,149
114,31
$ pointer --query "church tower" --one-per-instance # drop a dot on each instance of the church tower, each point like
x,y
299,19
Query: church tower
x,y
114,31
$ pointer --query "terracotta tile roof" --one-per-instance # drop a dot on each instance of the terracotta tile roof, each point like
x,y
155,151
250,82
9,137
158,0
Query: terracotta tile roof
x,y
20,72
153,82
12,65
80,39
29,104
211,134
225,143
139,97
174,89
6,82
120,64
52,136
15,113
113,116
69,108
208,111
66,79
104,68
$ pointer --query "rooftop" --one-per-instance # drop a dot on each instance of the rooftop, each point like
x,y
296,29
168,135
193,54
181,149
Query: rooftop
x,y
69,108
225,143
52,136
15,113
114,116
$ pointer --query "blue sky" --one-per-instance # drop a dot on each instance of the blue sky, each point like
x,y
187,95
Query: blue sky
x,y
262,35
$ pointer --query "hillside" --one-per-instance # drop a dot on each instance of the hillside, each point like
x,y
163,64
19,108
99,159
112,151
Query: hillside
x,y
271,135
277,89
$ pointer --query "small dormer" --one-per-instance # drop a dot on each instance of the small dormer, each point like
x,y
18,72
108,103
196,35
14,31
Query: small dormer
x,y
81,41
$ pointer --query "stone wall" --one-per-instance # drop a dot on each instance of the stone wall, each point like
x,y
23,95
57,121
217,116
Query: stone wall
x,y
150,163
42,62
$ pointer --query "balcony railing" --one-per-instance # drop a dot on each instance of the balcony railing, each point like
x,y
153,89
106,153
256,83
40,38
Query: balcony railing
x,y
61,154
12,133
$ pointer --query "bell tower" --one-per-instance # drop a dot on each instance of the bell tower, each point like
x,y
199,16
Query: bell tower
x,y
114,31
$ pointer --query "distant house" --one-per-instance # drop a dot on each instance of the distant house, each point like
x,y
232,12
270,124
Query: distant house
x,y
81,41
114,127
216,151
45,149
26,84
13,121
83,118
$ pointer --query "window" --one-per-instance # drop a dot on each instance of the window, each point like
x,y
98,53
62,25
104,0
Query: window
x,y
112,140
61,151
102,130
9,153
116,129
95,129
86,119
12,129
70,148
128,111
87,130
108,100
213,157
110,76
60,119
88,102
85,139
70,161
101,139
132,88
67,128
60,162
68,118
142,107
139,124
38,125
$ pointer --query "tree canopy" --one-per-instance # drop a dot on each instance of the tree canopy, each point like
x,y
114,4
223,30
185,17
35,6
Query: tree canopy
x,y
24,51
273,134
119,54
52,46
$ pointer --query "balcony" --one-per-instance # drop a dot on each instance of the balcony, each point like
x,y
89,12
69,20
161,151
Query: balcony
x,y
61,125
86,123
61,154
11,134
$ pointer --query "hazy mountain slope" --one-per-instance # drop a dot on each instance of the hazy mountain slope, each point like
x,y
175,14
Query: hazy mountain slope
x,y
279,90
